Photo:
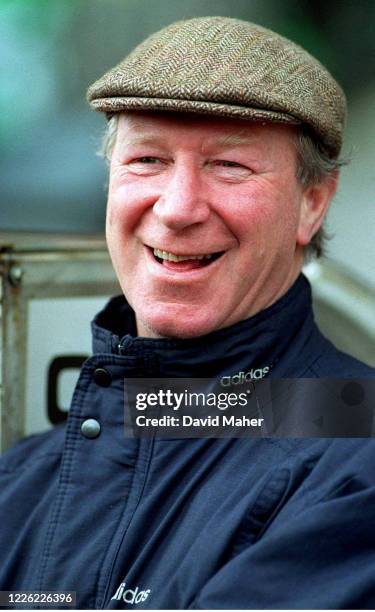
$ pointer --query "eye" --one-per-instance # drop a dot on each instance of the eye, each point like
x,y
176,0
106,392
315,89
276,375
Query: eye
x,y
146,160
146,165
228,164
230,169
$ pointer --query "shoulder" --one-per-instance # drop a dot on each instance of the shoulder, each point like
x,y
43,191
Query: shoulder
x,y
331,362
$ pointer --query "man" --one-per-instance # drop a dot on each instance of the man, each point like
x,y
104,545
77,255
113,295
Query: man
x,y
224,142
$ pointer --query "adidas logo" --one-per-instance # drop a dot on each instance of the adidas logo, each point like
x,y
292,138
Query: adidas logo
x,y
244,377
131,596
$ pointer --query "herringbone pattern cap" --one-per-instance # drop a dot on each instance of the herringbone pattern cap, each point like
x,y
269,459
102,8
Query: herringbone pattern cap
x,y
230,68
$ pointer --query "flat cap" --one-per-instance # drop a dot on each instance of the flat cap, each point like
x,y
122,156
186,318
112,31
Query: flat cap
x,y
229,68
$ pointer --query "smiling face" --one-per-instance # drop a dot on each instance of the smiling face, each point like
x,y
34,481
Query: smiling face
x,y
206,221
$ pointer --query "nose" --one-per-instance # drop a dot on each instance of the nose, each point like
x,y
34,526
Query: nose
x,y
183,201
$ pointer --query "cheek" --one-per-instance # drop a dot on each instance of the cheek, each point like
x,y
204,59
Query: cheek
x,y
119,220
261,212
248,212
110,216
125,206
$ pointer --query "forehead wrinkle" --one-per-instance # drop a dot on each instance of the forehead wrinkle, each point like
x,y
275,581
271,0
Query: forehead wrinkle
x,y
232,140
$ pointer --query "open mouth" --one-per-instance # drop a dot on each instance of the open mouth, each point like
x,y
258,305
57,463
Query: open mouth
x,y
184,262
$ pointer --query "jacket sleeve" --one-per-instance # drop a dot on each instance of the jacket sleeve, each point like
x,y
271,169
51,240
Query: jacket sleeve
x,y
320,557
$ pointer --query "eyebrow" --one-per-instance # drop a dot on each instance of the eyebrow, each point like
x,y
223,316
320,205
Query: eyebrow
x,y
137,139
224,141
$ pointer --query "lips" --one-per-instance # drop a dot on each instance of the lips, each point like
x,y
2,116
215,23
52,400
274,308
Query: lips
x,y
167,256
174,261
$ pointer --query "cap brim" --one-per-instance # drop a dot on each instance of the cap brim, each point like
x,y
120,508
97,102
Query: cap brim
x,y
117,104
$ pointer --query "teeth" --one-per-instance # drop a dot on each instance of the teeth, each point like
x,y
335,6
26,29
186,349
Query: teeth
x,y
173,257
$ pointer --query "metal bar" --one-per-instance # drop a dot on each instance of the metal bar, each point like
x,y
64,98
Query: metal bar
x,y
38,275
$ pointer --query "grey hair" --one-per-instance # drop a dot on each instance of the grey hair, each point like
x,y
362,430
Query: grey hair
x,y
109,137
313,167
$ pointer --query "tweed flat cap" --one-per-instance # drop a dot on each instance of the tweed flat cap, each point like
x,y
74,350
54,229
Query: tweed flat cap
x,y
230,68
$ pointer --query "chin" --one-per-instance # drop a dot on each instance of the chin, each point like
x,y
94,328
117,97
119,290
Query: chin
x,y
175,324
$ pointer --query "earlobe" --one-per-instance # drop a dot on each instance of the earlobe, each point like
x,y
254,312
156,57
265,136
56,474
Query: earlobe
x,y
314,207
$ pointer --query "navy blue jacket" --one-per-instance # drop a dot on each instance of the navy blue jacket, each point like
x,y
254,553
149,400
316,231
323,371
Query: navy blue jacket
x,y
203,523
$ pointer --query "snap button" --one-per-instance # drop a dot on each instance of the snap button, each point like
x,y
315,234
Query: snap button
x,y
102,377
90,428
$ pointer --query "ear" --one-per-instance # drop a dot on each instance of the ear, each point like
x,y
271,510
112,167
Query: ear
x,y
314,207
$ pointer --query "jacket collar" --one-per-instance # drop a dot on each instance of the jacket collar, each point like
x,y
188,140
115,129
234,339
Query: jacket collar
x,y
266,341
